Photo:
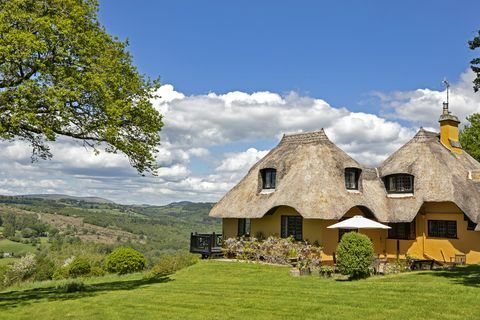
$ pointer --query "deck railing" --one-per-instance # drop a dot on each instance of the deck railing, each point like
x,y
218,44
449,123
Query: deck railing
x,y
207,244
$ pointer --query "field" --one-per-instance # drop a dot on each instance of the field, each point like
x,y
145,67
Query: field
x,y
229,290
15,247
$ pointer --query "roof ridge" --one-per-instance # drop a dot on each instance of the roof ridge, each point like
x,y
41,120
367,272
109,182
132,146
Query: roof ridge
x,y
305,137
424,135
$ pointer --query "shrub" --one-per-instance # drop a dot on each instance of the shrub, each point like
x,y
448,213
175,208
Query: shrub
x,y
44,270
79,267
171,263
61,273
72,286
97,272
20,270
125,260
326,271
355,255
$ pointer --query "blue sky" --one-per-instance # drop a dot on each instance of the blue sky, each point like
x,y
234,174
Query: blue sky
x,y
339,50
237,75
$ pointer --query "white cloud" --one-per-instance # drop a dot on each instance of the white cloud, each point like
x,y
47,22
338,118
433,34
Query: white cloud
x,y
240,161
424,106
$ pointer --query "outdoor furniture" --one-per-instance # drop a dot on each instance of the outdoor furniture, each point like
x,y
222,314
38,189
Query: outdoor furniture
x,y
379,265
422,264
358,222
458,259
208,245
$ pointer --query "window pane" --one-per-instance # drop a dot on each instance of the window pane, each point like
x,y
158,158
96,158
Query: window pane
x,y
268,177
291,226
351,179
442,228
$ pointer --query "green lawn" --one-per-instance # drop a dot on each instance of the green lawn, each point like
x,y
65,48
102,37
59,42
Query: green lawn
x,y
15,247
222,290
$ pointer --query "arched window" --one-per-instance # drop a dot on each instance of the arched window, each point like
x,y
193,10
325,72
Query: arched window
x,y
399,183
352,176
269,178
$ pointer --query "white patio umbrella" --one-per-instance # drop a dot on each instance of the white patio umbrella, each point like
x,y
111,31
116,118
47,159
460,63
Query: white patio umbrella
x,y
358,222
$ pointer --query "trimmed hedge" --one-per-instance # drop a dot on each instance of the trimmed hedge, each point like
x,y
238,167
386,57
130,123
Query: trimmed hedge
x,y
125,260
355,255
79,267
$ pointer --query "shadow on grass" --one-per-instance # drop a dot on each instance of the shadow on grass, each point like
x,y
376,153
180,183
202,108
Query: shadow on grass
x,y
464,275
19,298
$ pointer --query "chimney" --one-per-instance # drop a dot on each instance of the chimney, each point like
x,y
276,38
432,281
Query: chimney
x,y
449,130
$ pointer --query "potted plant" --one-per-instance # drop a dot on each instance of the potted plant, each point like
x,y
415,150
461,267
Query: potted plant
x,y
304,267
326,271
293,257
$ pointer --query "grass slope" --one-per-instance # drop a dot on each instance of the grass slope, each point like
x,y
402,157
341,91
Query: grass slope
x,y
221,290
15,247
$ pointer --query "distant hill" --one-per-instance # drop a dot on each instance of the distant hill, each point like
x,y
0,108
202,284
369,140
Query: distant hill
x,y
56,197
151,229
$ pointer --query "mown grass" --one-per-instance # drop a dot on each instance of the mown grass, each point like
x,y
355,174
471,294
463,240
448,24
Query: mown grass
x,y
15,247
221,290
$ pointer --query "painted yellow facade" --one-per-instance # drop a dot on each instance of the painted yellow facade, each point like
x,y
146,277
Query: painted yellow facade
x,y
423,246
448,134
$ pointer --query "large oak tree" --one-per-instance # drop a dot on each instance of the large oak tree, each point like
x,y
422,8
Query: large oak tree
x,y
62,74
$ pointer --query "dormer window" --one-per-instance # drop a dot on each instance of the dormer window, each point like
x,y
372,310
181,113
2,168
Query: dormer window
x,y
269,178
399,183
352,176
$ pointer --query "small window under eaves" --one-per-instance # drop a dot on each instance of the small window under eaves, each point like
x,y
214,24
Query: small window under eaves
x,y
352,177
269,178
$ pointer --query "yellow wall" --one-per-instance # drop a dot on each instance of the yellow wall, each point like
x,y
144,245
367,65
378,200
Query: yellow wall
x,y
441,249
449,130
468,242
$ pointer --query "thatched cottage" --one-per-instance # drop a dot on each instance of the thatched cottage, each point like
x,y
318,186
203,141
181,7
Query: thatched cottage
x,y
428,192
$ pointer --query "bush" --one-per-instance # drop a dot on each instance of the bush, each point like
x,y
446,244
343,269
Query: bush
x,y
97,272
61,273
326,271
44,270
169,264
79,267
20,270
355,255
72,286
125,260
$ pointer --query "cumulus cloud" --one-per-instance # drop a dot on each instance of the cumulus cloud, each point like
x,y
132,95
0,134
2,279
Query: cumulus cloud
x,y
210,141
241,161
424,106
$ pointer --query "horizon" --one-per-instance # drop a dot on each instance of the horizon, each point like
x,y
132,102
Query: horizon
x,y
235,77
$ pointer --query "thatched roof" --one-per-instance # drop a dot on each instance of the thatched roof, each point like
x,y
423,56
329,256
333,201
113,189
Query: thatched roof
x,y
310,179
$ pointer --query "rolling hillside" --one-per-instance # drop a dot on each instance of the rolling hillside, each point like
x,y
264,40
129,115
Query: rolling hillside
x,y
152,229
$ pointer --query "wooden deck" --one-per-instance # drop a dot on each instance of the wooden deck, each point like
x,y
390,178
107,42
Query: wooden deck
x,y
209,245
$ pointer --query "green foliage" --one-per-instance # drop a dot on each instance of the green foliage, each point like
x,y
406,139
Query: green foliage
x,y
71,286
470,136
44,269
163,228
79,267
475,63
326,271
171,263
9,225
355,255
20,270
97,271
61,73
125,260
